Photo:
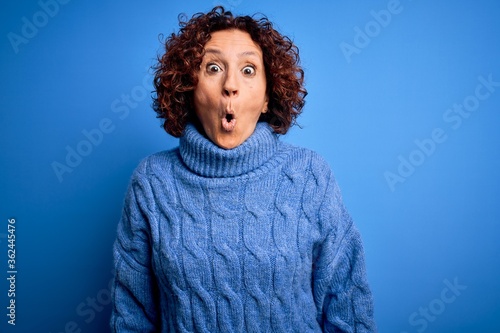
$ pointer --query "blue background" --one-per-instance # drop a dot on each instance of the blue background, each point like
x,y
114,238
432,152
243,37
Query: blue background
x,y
364,113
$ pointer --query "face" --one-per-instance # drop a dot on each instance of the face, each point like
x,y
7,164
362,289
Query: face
x,y
231,90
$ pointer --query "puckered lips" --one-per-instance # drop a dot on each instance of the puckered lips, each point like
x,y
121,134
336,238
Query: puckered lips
x,y
228,120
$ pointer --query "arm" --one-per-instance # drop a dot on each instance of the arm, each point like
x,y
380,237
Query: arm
x,y
341,290
134,290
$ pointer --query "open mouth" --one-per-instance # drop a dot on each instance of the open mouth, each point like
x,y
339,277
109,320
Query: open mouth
x,y
228,122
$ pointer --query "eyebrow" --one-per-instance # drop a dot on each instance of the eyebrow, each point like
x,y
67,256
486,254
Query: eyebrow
x,y
242,54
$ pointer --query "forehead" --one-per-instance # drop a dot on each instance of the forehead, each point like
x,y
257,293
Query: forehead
x,y
233,41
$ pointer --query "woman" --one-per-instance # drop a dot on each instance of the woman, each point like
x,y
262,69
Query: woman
x,y
235,231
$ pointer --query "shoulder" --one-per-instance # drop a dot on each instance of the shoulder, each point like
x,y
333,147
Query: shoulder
x,y
157,164
307,167
152,175
306,160
321,196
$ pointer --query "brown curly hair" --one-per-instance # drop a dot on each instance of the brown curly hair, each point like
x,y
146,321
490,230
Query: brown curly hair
x,y
176,71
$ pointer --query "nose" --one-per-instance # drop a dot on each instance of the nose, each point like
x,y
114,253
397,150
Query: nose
x,y
230,85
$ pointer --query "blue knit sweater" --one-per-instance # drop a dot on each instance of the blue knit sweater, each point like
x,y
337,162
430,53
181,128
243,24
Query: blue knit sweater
x,y
252,239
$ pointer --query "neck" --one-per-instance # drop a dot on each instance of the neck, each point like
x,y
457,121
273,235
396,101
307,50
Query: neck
x,y
205,158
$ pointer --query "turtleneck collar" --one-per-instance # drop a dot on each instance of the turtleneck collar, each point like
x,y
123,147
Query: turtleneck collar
x,y
205,158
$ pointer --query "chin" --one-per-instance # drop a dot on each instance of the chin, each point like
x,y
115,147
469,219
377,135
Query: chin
x,y
227,143
227,146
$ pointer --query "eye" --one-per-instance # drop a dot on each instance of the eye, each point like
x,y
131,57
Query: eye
x,y
248,70
213,68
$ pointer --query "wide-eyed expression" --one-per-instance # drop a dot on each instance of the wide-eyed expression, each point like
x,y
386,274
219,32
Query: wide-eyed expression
x,y
231,91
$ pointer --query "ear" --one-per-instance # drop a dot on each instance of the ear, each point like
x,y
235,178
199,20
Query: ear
x,y
264,109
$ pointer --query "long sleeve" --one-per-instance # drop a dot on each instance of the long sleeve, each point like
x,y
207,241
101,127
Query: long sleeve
x,y
244,240
134,292
340,285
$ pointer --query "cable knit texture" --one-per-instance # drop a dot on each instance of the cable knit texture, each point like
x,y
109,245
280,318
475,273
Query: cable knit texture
x,y
252,239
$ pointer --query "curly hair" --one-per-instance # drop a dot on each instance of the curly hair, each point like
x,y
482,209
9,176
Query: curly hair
x,y
177,69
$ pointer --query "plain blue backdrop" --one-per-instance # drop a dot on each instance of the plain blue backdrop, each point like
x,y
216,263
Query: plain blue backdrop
x,y
404,103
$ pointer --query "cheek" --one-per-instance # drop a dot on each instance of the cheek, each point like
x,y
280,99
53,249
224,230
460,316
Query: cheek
x,y
200,97
205,92
261,87
260,93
